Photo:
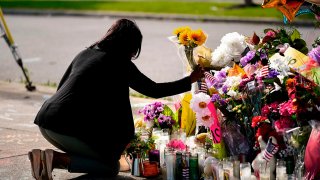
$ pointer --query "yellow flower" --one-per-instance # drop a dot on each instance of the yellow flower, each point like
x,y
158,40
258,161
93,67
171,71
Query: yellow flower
x,y
197,37
183,38
179,30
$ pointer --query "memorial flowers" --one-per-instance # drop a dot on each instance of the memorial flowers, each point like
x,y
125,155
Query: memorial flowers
x,y
274,76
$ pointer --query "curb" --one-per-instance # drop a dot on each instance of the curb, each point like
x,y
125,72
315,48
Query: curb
x,y
176,17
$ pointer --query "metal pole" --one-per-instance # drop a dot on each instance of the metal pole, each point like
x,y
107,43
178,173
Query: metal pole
x,y
14,50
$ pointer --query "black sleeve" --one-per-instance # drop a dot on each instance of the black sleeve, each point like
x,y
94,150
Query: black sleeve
x,y
65,76
142,84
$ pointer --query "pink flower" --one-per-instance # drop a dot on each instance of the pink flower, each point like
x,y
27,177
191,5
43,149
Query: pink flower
x,y
176,144
283,124
271,34
287,108
274,106
265,110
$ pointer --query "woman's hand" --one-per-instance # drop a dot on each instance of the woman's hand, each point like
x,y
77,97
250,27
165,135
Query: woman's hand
x,y
197,73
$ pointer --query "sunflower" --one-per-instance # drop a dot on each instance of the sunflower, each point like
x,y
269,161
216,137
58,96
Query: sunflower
x,y
196,37
183,38
179,30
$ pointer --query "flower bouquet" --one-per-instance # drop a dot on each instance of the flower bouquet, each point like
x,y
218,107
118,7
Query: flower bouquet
x,y
160,115
140,145
188,40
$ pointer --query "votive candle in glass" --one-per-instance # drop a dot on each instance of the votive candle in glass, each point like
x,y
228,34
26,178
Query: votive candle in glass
x,y
170,164
245,171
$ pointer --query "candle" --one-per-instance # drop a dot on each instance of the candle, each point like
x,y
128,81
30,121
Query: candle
x,y
170,164
154,155
194,167
245,171
228,169
264,172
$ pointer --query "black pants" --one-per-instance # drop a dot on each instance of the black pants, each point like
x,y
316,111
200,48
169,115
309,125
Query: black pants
x,y
83,158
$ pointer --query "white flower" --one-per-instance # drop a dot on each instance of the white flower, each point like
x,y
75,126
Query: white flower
x,y
281,66
199,103
231,47
233,82
204,119
235,42
220,58
234,94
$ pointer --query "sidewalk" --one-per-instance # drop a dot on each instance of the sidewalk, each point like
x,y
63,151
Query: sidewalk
x,y
18,134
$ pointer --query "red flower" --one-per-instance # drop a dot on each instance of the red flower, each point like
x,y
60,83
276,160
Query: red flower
x,y
256,120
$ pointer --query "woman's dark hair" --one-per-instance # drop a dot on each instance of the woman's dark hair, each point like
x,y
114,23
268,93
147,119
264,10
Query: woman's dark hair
x,y
124,36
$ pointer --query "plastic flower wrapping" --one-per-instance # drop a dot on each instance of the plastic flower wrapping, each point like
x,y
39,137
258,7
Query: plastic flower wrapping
x,y
187,40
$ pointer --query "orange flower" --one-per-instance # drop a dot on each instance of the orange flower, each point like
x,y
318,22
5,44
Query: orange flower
x,y
183,38
179,30
197,37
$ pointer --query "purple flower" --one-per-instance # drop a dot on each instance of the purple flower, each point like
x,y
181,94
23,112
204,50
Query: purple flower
x,y
223,102
166,121
272,73
152,111
263,55
315,54
148,118
225,89
220,78
215,97
221,75
247,58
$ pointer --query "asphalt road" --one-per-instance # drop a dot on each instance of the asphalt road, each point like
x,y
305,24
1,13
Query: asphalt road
x,y
47,44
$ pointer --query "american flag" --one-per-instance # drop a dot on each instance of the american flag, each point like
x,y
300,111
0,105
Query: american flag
x,y
264,71
209,76
203,87
271,149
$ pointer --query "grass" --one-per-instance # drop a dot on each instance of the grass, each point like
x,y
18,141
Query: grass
x,y
200,8
50,84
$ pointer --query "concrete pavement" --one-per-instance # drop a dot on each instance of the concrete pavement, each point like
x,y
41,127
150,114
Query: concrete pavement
x,y
18,133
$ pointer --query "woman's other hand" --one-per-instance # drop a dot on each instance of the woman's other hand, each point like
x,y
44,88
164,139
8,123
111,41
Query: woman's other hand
x,y
197,73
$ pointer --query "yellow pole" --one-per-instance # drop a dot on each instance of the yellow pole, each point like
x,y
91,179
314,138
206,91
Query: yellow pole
x,y
6,28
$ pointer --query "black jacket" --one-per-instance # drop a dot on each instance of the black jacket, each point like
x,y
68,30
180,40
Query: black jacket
x,y
92,102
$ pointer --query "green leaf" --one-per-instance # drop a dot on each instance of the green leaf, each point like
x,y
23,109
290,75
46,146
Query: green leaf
x,y
304,50
316,75
167,111
295,35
